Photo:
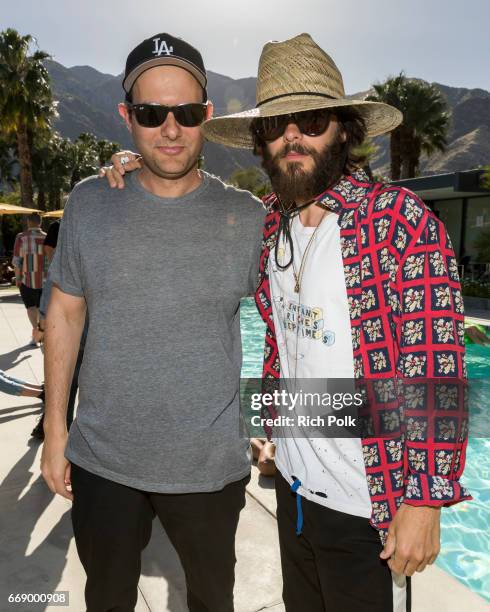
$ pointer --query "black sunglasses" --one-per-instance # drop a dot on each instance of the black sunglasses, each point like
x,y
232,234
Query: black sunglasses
x,y
309,123
153,115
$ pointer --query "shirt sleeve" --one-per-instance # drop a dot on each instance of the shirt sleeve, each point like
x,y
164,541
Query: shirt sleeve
x,y
65,269
18,258
430,338
51,239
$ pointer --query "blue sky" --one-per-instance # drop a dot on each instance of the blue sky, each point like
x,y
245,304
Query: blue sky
x,y
444,41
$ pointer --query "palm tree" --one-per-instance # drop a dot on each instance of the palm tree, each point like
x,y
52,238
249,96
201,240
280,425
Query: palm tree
x,y
425,122
52,168
26,103
106,149
89,155
58,164
7,162
86,158
389,92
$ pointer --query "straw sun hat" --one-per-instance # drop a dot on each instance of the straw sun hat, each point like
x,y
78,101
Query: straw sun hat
x,y
296,75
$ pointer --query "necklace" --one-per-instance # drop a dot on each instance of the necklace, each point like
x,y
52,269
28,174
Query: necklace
x,y
298,276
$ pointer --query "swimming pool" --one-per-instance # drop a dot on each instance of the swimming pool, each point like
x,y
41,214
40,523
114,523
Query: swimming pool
x,y
464,527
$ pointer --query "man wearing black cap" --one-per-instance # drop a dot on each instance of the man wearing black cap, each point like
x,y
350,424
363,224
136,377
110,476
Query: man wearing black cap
x,y
157,428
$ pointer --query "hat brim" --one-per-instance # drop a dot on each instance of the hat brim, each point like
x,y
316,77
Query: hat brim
x,y
234,130
164,61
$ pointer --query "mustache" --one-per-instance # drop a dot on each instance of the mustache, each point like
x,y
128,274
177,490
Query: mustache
x,y
292,148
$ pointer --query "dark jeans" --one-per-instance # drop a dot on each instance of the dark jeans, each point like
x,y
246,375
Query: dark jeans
x,y
112,525
334,564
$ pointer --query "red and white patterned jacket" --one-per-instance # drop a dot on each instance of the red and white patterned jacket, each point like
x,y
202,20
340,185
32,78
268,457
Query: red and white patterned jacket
x,y
407,325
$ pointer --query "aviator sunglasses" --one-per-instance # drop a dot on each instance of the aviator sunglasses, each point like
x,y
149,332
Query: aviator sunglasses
x,y
309,123
154,115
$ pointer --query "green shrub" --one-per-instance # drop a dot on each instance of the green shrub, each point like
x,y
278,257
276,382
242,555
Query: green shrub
x,y
475,288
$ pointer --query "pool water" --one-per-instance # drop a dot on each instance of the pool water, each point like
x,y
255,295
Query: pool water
x,y
465,527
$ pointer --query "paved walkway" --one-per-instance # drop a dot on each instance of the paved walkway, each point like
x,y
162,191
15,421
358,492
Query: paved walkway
x,y
38,553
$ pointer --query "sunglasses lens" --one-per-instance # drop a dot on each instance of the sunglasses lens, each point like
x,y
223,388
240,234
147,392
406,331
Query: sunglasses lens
x,y
310,123
313,123
153,115
190,115
150,115
271,128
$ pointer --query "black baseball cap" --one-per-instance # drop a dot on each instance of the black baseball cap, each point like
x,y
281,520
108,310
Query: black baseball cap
x,y
164,50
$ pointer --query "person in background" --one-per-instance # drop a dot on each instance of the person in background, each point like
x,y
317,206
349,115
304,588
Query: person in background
x,y
15,386
38,431
7,273
49,248
51,240
30,267
50,244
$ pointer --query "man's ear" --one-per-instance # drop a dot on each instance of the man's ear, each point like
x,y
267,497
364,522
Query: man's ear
x,y
342,133
209,110
126,115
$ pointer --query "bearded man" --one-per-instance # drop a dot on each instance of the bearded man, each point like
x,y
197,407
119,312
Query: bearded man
x,y
358,280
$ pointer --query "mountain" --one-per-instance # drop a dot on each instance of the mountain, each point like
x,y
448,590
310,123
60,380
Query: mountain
x,y
88,103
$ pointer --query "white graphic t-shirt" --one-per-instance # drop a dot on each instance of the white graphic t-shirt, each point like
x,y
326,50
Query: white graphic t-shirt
x,y
314,340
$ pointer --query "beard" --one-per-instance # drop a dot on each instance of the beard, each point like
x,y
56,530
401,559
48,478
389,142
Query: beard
x,y
296,184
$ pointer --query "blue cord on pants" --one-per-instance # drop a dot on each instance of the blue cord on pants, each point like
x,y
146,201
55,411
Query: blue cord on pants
x,y
299,521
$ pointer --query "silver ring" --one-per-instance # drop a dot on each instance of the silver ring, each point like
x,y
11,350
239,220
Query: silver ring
x,y
124,160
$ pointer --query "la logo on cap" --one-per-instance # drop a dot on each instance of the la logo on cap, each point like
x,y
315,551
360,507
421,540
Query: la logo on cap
x,y
161,48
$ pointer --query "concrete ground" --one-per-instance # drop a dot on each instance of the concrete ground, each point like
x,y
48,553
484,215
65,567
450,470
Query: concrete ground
x,y
38,553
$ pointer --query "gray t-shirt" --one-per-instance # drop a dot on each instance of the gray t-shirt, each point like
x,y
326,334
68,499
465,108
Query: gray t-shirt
x,y
163,279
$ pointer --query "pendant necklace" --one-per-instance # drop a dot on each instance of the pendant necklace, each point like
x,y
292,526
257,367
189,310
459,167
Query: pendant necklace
x,y
298,276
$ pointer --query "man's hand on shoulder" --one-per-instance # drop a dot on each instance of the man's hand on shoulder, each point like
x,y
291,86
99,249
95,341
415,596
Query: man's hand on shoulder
x,y
55,468
122,162
413,539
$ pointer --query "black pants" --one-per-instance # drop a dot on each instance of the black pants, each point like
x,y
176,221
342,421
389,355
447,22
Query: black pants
x,y
334,565
112,525
30,297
